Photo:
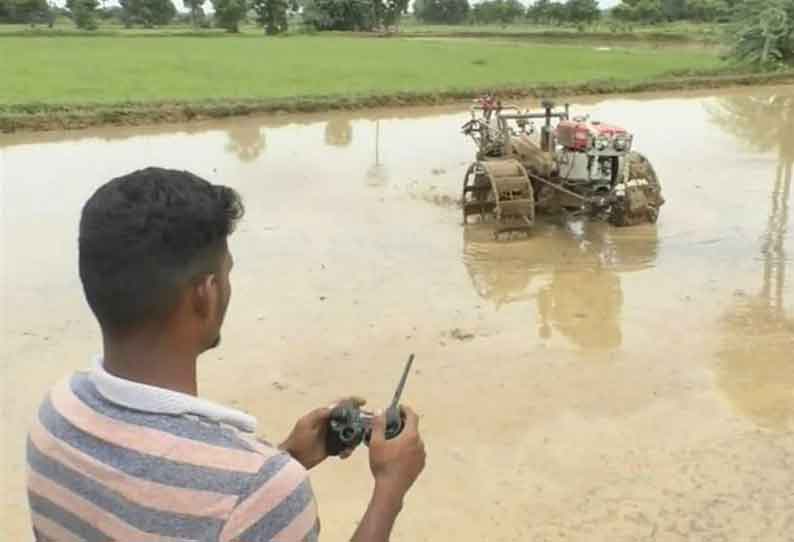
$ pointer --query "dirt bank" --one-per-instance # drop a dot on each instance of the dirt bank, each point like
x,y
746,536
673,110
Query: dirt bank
x,y
42,117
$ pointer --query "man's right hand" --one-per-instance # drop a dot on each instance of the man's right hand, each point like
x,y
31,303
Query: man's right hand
x,y
395,464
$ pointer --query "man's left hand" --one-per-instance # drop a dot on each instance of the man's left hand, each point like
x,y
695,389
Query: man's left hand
x,y
306,442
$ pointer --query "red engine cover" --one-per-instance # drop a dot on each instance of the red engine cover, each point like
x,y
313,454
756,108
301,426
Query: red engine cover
x,y
574,135
607,129
579,135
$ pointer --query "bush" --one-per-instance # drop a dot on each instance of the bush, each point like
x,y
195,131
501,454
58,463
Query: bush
x,y
229,13
441,11
497,11
366,15
83,13
148,13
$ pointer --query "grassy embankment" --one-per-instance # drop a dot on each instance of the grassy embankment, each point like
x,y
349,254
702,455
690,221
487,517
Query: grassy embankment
x,y
53,82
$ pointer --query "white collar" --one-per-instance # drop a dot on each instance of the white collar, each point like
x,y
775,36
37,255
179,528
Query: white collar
x,y
147,398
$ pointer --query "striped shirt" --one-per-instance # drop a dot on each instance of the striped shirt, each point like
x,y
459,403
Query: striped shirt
x,y
169,468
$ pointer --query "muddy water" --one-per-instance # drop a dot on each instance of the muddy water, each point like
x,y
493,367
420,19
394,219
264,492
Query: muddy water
x,y
586,384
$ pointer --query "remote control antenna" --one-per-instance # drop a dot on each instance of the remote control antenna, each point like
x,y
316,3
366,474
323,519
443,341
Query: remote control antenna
x,y
396,401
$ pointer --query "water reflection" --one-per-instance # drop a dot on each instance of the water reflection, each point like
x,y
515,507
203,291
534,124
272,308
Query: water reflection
x,y
577,269
756,368
338,132
246,141
377,174
338,129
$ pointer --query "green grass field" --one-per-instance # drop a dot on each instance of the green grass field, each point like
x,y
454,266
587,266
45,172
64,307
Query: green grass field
x,y
122,69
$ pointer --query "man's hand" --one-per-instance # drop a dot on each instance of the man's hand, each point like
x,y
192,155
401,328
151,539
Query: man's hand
x,y
396,464
306,442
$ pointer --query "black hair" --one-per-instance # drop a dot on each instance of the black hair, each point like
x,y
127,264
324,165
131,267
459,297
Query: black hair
x,y
145,236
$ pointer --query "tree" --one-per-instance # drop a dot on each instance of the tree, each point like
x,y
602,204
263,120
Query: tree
x,y
5,11
557,12
148,13
196,8
624,12
111,13
644,11
649,11
25,11
674,10
441,11
497,11
763,32
271,14
340,14
582,11
229,13
83,13
708,10
388,12
540,11
365,15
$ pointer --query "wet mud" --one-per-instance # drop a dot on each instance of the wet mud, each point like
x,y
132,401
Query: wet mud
x,y
584,384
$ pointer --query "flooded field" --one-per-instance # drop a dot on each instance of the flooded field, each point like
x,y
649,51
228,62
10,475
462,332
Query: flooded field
x,y
587,384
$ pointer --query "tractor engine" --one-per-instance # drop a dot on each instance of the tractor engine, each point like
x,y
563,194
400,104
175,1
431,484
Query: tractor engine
x,y
591,154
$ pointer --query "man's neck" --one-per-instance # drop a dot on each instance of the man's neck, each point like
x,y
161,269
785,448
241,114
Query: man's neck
x,y
151,360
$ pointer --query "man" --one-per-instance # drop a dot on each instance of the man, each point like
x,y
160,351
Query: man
x,y
126,450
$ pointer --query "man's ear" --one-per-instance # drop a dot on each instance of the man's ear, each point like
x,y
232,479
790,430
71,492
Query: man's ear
x,y
205,295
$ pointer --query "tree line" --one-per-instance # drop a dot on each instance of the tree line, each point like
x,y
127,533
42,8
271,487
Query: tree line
x,y
761,31
656,11
576,11
505,11
272,15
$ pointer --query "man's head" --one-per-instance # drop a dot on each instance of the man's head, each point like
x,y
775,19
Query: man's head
x,y
153,252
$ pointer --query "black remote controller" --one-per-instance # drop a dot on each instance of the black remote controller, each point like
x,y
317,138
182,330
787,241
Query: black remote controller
x,y
349,426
